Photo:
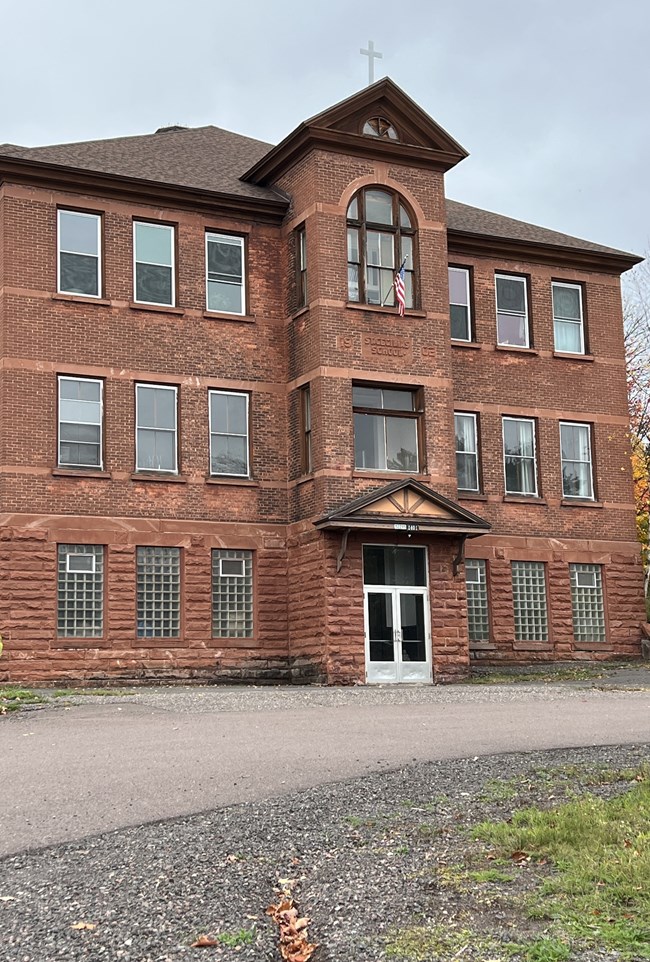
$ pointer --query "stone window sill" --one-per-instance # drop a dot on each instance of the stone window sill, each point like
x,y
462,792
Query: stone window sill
x,y
69,644
145,476
513,349
81,299
305,477
81,473
159,643
300,311
523,499
388,475
378,309
245,482
482,646
156,308
218,316
471,496
472,345
565,355
593,646
532,646
580,503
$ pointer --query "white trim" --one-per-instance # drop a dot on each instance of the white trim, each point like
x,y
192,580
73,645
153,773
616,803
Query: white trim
x,y
172,229
60,250
520,280
156,387
220,474
578,497
89,380
474,417
79,554
231,574
568,320
531,421
465,271
236,241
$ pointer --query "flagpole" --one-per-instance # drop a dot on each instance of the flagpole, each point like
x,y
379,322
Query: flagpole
x,y
383,303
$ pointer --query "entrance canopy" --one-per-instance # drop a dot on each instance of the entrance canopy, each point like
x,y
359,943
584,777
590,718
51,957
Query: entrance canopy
x,y
407,506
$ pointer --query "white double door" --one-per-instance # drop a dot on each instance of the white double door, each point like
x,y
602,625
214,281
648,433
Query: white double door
x,y
398,637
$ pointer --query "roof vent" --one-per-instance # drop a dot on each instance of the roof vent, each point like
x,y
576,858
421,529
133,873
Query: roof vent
x,y
170,130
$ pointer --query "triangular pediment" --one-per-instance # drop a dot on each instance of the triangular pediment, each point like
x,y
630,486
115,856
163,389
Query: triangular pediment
x,y
406,505
420,140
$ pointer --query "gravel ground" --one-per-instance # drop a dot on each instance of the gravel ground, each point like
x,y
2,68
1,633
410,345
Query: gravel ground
x,y
368,855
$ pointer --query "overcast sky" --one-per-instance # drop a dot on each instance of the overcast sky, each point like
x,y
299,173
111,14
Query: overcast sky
x,y
550,97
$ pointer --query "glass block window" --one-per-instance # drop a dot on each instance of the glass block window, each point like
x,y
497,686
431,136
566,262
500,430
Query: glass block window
x,y
478,620
79,253
459,304
153,252
529,600
567,318
80,591
512,311
159,592
588,603
232,593
80,422
225,282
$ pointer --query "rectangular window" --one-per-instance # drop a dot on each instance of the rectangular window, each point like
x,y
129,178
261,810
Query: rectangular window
x,y
80,591
519,456
80,422
466,452
459,304
158,572
512,311
153,255
156,421
301,267
232,594
305,429
79,263
529,600
575,445
567,318
386,428
224,264
587,601
478,620
229,434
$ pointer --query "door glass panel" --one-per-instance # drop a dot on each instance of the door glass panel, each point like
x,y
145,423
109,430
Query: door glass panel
x,y
394,566
380,627
412,619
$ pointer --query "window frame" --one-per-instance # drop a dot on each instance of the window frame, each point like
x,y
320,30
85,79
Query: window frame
x,y
170,638
243,244
165,387
165,226
361,224
72,639
525,280
301,267
306,450
100,251
539,565
475,418
480,564
533,423
565,320
416,414
79,467
579,497
226,392
599,587
247,555
469,281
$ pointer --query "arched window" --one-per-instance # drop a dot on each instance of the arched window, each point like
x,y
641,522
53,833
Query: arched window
x,y
380,127
381,235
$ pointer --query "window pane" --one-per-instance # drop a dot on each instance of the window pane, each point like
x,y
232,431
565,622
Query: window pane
x,y
387,250
398,400
568,337
401,444
466,469
478,622
572,440
576,479
369,441
85,412
79,274
79,233
465,427
225,297
353,245
518,438
458,286
379,207
232,593
566,302
225,258
459,322
511,294
153,244
79,455
367,397
353,282
156,450
229,454
404,567
88,433
158,592
404,219
153,285
353,209
412,622
229,413
511,329
529,598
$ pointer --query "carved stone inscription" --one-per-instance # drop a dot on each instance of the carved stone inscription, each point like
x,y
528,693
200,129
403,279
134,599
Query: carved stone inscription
x,y
387,347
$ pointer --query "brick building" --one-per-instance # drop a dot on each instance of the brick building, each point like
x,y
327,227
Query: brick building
x,y
223,452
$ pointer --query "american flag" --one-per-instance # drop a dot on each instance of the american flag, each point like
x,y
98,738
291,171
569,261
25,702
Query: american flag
x,y
400,290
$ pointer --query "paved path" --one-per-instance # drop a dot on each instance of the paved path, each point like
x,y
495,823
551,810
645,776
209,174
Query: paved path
x,y
104,763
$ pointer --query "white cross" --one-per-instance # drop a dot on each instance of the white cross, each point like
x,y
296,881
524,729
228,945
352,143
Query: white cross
x,y
372,55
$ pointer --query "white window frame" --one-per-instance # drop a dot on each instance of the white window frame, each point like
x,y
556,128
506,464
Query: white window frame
x,y
520,494
60,250
520,280
172,230
474,417
568,320
231,574
465,271
579,497
65,464
162,387
74,571
245,395
240,243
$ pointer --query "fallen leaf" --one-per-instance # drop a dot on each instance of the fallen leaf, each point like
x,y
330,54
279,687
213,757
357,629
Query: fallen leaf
x,y
204,942
83,925
7,898
520,857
